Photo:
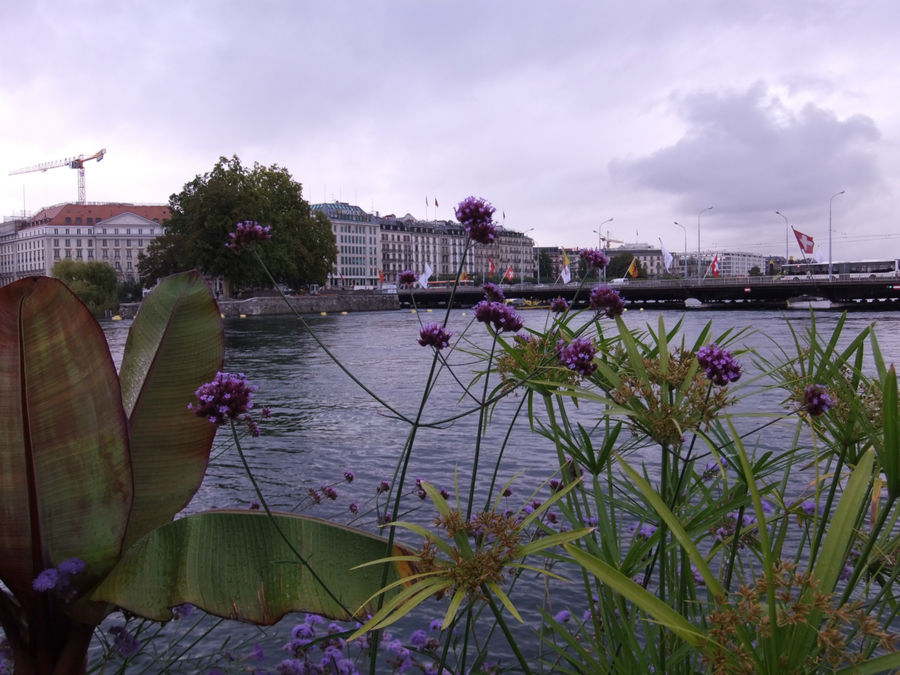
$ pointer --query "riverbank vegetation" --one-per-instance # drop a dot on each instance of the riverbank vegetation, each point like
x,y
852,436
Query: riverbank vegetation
x,y
712,509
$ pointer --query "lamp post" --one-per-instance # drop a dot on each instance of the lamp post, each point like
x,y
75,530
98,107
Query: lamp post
x,y
785,235
829,230
684,229
601,274
698,240
522,260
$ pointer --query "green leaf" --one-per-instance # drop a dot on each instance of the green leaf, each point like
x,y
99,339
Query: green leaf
x,y
175,345
234,564
65,483
890,419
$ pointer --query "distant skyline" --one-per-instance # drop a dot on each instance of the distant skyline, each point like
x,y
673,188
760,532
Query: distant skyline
x,y
562,115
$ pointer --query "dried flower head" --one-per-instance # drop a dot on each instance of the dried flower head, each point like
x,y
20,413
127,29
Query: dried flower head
x,y
226,397
434,335
594,257
816,400
476,215
720,365
406,277
608,300
248,232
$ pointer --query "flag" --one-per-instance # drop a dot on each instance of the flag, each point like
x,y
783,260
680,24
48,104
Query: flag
x,y
805,241
504,215
426,201
714,267
509,273
464,276
426,275
633,268
435,203
667,257
381,275
566,273
492,268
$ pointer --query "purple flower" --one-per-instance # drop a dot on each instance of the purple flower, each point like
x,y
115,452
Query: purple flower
x,y
348,476
329,492
645,531
303,630
562,616
248,232
595,258
492,292
559,305
182,611
720,364
71,566
808,506
476,215
256,653
578,355
226,397
46,580
383,486
501,316
608,300
354,507
816,400
435,624
434,335
418,638
406,277
125,643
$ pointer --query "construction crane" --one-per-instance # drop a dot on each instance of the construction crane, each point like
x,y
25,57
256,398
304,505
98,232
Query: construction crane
x,y
610,241
72,163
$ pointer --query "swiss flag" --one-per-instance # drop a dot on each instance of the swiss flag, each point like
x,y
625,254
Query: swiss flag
x,y
715,266
805,241
509,273
491,267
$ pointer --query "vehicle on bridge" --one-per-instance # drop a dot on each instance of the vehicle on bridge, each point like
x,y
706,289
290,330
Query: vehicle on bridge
x,y
853,269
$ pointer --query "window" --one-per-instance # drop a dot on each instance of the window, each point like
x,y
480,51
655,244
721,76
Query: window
x,y
118,267
56,242
106,255
56,254
68,242
68,220
90,254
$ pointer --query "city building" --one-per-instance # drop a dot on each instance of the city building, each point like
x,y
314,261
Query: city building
x,y
358,240
114,233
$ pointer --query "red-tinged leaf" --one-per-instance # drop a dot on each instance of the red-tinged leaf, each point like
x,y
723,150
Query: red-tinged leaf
x,y
235,564
65,477
175,344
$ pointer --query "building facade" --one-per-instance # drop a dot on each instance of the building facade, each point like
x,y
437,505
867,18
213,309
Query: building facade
x,y
115,234
358,240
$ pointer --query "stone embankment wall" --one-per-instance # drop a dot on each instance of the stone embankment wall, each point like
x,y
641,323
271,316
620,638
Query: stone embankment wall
x,y
305,304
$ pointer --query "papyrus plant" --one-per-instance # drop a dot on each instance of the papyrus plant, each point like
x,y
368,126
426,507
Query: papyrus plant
x,y
94,466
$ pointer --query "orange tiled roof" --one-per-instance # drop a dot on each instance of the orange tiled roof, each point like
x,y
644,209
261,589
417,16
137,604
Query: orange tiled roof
x,y
56,215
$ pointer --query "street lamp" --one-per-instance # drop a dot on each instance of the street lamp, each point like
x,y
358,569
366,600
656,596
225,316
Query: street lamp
x,y
829,231
684,229
522,259
785,235
599,232
698,240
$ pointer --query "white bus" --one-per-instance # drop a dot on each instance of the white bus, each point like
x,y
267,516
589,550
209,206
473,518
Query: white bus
x,y
854,269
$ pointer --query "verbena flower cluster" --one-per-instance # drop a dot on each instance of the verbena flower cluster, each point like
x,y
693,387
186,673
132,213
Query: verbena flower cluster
x,y
248,232
434,335
476,215
406,277
816,400
492,292
608,300
502,316
720,365
226,397
578,355
559,305
595,258
57,578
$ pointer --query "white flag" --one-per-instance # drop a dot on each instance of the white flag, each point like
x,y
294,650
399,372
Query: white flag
x,y
566,274
426,275
667,257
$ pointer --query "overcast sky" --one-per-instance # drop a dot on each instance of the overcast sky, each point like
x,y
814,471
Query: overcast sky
x,y
562,114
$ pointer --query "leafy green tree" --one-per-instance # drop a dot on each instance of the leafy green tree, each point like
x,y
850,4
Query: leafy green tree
x,y
755,271
546,266
618,266
302,249
93,282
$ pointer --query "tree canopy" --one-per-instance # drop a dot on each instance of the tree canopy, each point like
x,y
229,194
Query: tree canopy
x,y
619,264
301,251
93,282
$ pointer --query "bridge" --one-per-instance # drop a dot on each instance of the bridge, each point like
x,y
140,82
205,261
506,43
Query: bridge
x,y
744,293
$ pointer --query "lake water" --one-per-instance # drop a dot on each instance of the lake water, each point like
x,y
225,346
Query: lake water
x,y
323,424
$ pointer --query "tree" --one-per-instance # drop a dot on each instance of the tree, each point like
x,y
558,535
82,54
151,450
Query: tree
x,y
93,282
302,249
755,271
618,266
545,264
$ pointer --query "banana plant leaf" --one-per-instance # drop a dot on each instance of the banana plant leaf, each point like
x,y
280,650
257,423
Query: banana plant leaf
x,y
235,564
175,344
65,475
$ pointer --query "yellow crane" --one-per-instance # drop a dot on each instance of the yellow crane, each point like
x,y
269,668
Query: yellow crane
x,y
610,241
72,163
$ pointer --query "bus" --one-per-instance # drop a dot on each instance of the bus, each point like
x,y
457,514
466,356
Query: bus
x,y
854,269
